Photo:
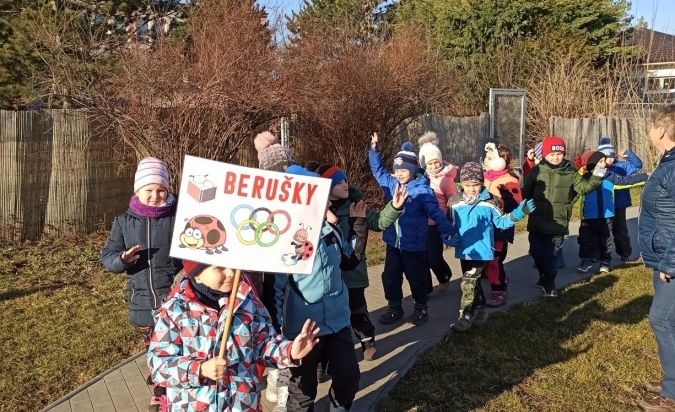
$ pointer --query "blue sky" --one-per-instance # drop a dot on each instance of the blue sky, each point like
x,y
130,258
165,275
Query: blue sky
x,y
655,12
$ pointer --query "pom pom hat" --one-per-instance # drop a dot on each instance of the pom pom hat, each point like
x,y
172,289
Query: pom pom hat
x,y
151,170
406,159
429,149
606,147
552,144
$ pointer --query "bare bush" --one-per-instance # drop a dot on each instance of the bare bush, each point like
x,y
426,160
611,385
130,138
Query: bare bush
x,y
343,90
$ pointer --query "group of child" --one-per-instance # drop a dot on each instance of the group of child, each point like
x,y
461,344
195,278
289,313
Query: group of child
x,y
301,326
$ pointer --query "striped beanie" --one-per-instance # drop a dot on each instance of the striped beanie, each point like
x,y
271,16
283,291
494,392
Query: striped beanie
x,y
406,159
537,151
334,173
606,147
151,170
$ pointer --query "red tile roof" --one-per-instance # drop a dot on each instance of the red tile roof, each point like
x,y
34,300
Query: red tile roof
x,y
656,47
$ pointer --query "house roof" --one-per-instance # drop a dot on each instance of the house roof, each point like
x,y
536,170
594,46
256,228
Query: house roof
x,y
656,47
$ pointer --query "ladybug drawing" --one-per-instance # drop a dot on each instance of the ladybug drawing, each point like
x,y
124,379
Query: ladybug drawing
x,y
303,248
204,232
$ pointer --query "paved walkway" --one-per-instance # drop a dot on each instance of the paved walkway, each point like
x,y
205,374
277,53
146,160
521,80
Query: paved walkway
x,y
122,389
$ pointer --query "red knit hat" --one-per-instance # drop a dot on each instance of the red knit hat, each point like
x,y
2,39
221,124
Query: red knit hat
x,y
192,268
553,144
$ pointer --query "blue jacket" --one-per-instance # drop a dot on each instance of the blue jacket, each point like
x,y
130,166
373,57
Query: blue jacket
x,y
656,225
476,225
600,203
150,278
322,296
627,167
409,232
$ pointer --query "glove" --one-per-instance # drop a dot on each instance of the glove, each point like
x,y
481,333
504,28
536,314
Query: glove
x,y
450,241
524,208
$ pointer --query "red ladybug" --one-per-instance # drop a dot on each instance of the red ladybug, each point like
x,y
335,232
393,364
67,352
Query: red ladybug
x,y
204,232
303,248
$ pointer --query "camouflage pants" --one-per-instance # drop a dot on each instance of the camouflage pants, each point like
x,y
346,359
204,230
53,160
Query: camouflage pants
x,y
472,292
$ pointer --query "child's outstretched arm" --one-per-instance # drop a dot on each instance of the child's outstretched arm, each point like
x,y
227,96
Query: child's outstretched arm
x,y
115,257
273,349
507,221
386,181
625,182
379,221
585,185
435,213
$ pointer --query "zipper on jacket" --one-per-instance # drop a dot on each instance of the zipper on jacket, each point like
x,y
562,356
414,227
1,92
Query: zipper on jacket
x,y
152,289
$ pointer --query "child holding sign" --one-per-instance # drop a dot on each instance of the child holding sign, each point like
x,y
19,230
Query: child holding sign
x,y
187,336
407,239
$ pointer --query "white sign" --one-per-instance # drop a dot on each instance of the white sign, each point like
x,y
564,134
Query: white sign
x,y
248,219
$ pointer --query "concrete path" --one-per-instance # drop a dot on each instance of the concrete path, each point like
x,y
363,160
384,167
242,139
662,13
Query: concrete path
x,y
122,389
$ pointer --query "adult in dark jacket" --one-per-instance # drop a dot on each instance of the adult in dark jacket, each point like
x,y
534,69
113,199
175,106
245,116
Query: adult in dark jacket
x,y
656,229
139,244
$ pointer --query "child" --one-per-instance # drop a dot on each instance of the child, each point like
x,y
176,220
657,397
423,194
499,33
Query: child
x,y
139,244
407,240
343,198
271,155
187,338
441,176
551,184
597,212
532,159
504,185
323,297
631,165
475,213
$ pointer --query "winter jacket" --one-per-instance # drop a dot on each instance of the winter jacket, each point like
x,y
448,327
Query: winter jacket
x,y
443,185
553,190
528,165
600,203
321,296
375,221
409,233
188,333
505,188
627,167
656,225
149,279
475,225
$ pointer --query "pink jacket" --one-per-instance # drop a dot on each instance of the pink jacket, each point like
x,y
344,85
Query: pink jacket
x,y
443,185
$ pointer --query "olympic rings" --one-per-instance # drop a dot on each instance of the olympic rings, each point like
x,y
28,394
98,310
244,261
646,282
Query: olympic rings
x,y
284,213
259,228
241,206
255,212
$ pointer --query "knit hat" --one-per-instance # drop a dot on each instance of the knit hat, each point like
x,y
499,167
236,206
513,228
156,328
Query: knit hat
x,y
334,173
552,144
192,268
406,159
300,171
429,148
537,151
275,157
151,170
606,147
589,159
264,140
471,172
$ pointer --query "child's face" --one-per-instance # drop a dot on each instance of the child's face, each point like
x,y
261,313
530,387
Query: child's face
x,y
609,161
403,175
433,165
152,194
217,278
472,189
340,191
555,158
602,164
489,156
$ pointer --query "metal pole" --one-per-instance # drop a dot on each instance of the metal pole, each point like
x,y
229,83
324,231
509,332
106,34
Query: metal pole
x,y
523,100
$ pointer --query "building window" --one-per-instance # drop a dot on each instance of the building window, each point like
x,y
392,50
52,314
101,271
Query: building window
x,y
669,83
653,83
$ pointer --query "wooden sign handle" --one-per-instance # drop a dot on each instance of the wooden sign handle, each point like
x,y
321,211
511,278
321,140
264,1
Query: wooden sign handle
x,y
228,317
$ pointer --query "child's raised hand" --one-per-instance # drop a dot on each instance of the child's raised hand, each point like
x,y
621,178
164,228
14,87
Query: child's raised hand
x,y
373,140
129,256
213,369
400,196
357,209
331,218
621,153
305,341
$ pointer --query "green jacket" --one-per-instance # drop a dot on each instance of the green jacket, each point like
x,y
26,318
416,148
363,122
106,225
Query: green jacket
x,y
553,191
376,221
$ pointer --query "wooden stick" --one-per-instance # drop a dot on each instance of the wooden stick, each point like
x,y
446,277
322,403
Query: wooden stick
x,y
228,317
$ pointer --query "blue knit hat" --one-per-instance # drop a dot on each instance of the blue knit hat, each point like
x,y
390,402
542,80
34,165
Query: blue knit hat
x,y
334,173
301,171
606,147
406,159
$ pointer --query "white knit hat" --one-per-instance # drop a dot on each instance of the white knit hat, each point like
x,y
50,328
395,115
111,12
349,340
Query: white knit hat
x,y
428,149
151,170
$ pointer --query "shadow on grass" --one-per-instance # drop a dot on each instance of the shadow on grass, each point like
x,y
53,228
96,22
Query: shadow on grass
x,y
18,293
467,370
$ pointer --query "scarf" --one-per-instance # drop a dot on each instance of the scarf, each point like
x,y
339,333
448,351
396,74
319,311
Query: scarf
x,y
470,200
152,211
206,295
494,175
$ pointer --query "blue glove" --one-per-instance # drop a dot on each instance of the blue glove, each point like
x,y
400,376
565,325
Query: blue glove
x,y
450,241
524,208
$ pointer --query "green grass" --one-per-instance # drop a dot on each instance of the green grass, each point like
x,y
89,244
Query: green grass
x,y
590,350
64,320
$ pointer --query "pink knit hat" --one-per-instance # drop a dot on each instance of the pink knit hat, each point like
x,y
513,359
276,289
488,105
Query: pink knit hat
x,y
151,170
